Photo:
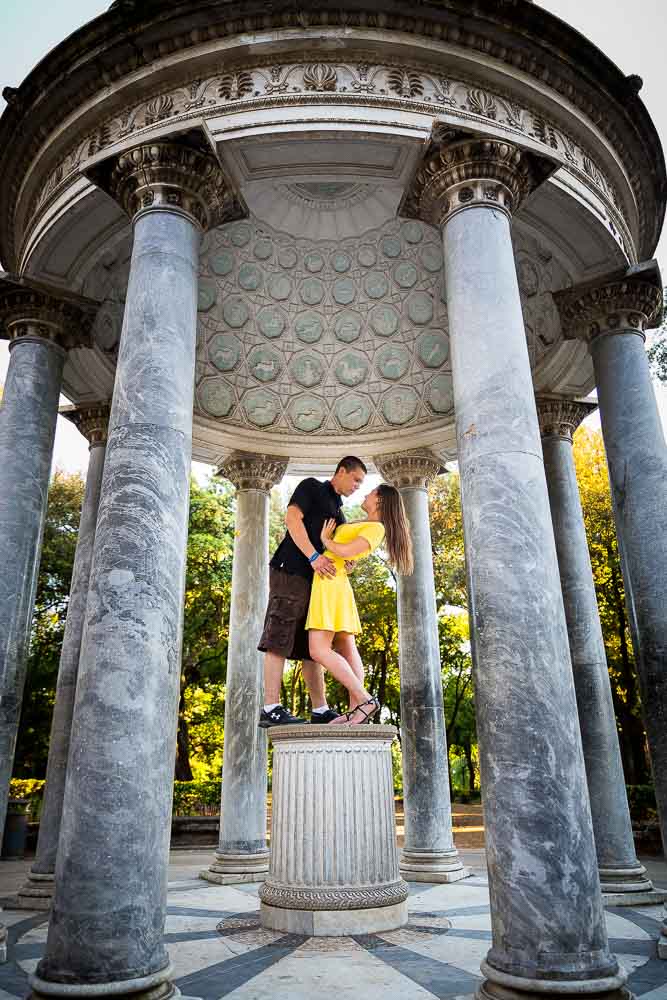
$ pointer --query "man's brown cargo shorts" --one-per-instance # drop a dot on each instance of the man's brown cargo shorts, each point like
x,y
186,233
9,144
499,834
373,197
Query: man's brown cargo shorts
x,y
286,613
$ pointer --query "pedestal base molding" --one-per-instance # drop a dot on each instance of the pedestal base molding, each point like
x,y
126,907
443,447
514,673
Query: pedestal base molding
x,y
228,869
37,892
154,987
334,923
442,866
503,986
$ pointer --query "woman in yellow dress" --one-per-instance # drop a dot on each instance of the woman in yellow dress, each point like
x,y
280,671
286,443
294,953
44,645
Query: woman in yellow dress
x,y
333,619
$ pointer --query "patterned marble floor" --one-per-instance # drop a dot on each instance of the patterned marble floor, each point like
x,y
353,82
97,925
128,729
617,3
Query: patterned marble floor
x,y
219,949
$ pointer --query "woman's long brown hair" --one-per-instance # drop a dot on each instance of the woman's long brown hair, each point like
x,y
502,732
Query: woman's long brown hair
x,y
397,529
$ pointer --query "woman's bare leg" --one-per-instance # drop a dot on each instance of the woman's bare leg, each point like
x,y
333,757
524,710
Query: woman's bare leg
x,y
344,643
321,651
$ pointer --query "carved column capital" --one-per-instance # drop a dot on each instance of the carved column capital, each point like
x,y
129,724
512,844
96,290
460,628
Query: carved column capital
x,y
253,472
409,468
173,176
561,417
91,419
462,171
623,302
29,310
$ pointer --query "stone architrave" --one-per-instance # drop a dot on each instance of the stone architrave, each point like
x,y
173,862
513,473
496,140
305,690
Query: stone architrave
x,y
611,315
334,859
623,879
111,868
92,420
429,854
548,927
242,854
41,328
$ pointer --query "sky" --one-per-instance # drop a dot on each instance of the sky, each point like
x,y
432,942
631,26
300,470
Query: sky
x,y
634,37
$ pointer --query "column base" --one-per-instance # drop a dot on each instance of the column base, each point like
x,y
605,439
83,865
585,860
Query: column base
x,y
436,866
628,887
228,869
334,923
155,987
502,986
37,892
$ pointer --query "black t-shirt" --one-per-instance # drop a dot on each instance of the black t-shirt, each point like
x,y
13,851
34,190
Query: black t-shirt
x,y
318,502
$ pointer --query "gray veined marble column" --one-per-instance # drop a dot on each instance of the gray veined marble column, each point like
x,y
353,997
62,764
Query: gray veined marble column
x,y
621,874
40,328
92,420
429,854
106,930
611,314
549,934
242,854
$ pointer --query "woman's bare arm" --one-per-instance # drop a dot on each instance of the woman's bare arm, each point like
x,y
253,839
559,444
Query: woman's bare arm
x,y
357,547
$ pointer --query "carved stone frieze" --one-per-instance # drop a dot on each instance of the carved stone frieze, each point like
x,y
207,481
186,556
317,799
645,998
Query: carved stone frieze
x,y
404,86
253,472
342,898
629,303
170,175
409,468
91,419
459,172
31,311
561,417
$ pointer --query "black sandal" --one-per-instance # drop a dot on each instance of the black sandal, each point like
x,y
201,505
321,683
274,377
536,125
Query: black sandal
x,y
360,708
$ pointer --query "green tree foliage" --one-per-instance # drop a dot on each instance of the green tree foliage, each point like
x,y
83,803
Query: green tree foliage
x,y
657,350
53,586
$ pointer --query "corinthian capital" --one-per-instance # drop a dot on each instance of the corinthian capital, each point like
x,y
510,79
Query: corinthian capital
x,y
628,300
561,417
253,472
91,419
30,309
173,176
462,171
409,468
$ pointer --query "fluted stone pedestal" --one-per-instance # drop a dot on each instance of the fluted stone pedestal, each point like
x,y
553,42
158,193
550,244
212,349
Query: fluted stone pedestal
x,y
334,860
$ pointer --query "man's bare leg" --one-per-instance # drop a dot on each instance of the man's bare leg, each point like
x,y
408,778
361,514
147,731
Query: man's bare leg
x,y
274,664
313,675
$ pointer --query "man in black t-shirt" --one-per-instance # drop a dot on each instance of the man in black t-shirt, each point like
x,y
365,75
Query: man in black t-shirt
x,y
298,556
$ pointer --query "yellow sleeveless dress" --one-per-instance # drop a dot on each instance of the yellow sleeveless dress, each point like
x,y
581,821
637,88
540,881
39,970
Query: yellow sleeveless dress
x,y
332,605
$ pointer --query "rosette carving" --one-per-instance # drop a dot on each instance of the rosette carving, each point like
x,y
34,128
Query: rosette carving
x,y
561,417
253,472
319,76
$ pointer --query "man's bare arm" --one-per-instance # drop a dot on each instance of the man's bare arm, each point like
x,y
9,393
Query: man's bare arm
x,y
299,535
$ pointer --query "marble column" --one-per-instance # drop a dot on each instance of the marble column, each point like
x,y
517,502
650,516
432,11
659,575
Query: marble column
x,y
429,854
106,931
92,420
548,928
40,328
242,854
611,315
622,877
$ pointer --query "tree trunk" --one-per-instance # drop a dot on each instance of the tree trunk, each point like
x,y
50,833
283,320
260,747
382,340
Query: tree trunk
x,y
467,749
182,768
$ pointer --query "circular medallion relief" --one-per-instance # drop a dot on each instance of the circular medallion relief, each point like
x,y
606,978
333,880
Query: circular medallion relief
x,y
288,257
351,369
392,361
263,249
224,351
240,235
399,404
431,257
307,413
420,308
413,232
391,246
221,262
264,364
250,277
311,291
313,262
280,287
432,349
271,321
440,394
340,261
344,291
347,326
353,412
235,312
207,292
307,370
367,255
404,274
384,320
308,327
215,397
261,407
376,285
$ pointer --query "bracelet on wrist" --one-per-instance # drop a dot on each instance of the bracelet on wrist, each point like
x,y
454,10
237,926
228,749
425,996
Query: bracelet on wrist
x,y
315,555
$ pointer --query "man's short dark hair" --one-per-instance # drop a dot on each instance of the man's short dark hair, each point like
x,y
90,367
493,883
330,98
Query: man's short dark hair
x,y
351,462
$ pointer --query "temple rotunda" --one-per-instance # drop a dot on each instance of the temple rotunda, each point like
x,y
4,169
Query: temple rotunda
x,y
264,235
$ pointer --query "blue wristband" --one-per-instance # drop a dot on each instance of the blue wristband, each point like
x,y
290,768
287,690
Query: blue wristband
x,y
315,555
